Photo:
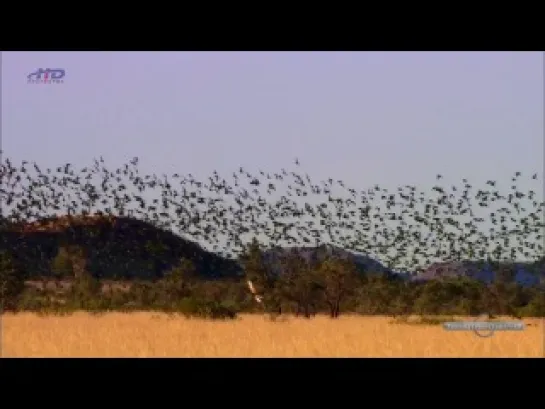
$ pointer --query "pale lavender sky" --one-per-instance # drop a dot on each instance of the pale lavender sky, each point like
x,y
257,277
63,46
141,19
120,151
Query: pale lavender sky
x,y
365,117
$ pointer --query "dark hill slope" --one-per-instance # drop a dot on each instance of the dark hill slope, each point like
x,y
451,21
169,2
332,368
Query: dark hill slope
x,y
117,248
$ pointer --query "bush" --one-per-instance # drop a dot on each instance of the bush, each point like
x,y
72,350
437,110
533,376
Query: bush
x,y
32,300
11,282
536,307
192,307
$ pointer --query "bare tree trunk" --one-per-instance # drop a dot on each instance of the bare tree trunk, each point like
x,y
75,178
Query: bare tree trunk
x,y
298,311
335,309
307,310
331,309
314,310
79,265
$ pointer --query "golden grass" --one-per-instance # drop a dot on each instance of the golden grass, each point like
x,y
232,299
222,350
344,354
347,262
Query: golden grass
x,y
157,335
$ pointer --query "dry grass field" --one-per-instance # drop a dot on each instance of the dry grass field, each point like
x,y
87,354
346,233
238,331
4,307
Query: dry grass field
x,y
157,335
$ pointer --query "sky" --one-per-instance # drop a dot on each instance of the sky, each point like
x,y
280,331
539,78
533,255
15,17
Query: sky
x,y
387,118
366,117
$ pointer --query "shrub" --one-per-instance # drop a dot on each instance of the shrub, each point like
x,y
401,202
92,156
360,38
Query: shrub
x,y
11,282
192,307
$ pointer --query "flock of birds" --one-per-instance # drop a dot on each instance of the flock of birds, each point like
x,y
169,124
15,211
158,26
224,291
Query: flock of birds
x,y
406,229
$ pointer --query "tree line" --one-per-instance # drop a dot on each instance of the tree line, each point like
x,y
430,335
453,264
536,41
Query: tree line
x,y
331,286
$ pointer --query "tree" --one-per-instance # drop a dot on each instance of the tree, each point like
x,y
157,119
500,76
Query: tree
x,y
431,299
374,294
337,279
85,287
536,307
299,285
178,281
401,303
469,302
11,282
78,259
71,262
61,265
262,280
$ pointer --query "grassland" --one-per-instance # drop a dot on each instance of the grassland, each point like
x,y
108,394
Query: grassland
x,y
147,334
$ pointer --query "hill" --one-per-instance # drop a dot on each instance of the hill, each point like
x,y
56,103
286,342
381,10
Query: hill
x,y
123,248
524,274
365,264
117,248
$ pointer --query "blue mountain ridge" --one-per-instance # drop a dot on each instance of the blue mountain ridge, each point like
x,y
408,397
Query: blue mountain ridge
x,y
364,263
436,271
522,276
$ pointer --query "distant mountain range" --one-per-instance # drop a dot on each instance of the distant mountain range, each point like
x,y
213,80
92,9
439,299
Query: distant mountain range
x,y
522,274
364,263
126,248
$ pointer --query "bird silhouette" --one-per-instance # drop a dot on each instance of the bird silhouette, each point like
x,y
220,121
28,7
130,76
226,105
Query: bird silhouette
x,y
406,229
